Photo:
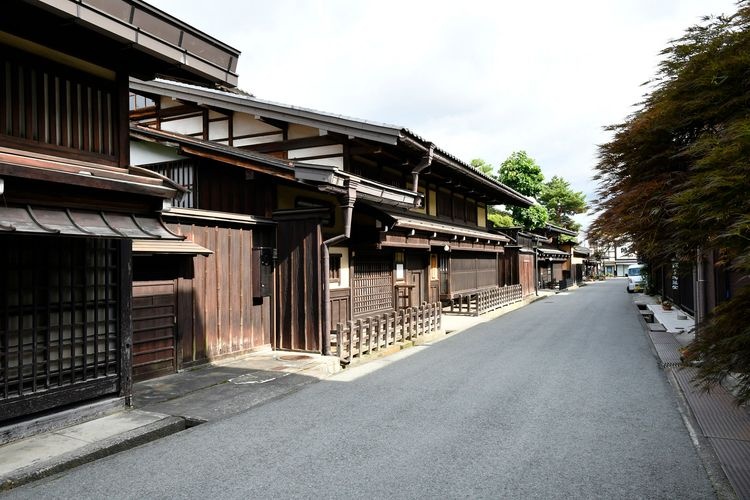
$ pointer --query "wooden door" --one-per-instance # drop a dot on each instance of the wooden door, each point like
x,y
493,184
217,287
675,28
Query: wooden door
x,y
154,318
416,280
298,286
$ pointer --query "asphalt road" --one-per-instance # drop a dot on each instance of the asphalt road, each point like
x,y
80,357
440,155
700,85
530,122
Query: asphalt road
x,y
560,399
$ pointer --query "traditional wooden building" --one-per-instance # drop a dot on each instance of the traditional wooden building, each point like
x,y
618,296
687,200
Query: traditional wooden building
x,y
396,221
555,257
71,204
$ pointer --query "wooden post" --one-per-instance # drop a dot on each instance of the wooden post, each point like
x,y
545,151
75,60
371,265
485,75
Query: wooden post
x,y
369,335
125,265
402,315
351,341
359,337
339,339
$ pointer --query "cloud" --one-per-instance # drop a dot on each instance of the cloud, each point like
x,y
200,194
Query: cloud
x,y
479,78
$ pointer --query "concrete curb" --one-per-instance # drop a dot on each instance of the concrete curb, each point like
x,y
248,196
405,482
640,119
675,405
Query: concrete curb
x,y
94,451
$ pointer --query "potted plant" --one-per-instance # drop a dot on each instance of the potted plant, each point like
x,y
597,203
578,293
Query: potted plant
x,y
666,305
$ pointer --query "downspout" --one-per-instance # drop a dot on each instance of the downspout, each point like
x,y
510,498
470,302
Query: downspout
x,y
348,209
425,163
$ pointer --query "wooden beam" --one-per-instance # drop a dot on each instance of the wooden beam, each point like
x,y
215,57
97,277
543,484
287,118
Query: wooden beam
x,y
238,162
307,142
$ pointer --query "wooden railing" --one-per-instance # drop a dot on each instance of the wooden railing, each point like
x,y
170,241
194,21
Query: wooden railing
x,y
362,336
482,301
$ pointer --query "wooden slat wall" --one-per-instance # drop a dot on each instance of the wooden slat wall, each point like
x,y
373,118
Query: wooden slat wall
x,y
472,271
526,273
217,315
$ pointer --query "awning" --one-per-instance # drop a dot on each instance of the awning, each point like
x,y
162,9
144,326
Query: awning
x,y
447,229
170,247
90,224
554,254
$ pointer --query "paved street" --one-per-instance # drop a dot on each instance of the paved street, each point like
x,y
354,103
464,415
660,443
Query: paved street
x,y
560,399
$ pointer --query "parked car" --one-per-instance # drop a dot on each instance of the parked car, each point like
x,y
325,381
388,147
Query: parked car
x,y
635,278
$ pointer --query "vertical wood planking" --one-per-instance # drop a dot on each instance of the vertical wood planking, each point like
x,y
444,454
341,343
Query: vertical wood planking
x,y
234,276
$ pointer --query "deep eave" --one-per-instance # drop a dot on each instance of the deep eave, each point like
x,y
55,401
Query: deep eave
x,y
141,27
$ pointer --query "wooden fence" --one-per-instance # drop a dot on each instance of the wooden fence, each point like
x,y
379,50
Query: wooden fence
x,y
368,335
482,301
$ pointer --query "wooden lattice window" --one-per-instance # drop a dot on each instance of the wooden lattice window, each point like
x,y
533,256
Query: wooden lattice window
x,y
183,173
56,107
59,315
373,287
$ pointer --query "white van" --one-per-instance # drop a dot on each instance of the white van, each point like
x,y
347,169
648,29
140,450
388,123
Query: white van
x,y
635,278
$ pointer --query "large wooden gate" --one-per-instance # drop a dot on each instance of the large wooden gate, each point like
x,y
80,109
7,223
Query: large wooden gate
x,y
298,290
154,318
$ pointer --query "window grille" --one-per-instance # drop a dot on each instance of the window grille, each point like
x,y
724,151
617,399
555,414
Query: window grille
x,y
373,287
56,106
59,316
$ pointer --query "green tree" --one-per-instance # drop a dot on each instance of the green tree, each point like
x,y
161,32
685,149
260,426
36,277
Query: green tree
x,y
674,178
483,166
498,218
520,172
562,203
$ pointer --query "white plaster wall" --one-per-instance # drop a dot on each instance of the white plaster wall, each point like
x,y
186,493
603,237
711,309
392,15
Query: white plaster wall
x,y
245,124
146,153
300,131
218,130
187,126
344,277
333,149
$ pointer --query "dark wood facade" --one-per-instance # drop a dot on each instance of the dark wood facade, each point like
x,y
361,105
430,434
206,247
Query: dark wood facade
x,y
396,258
72,204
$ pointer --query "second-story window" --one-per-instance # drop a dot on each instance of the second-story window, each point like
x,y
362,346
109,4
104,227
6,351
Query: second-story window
x,y
334,268
58,108
444,204
459,208
471,212
139,102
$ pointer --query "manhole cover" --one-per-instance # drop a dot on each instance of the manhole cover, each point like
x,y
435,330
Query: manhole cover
x,y
294,357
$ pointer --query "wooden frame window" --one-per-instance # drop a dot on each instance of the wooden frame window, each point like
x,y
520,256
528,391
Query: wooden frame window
x,y
459,208
444,204
334,268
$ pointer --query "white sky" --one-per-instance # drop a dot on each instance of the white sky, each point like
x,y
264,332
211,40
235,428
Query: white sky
x,y
478,78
